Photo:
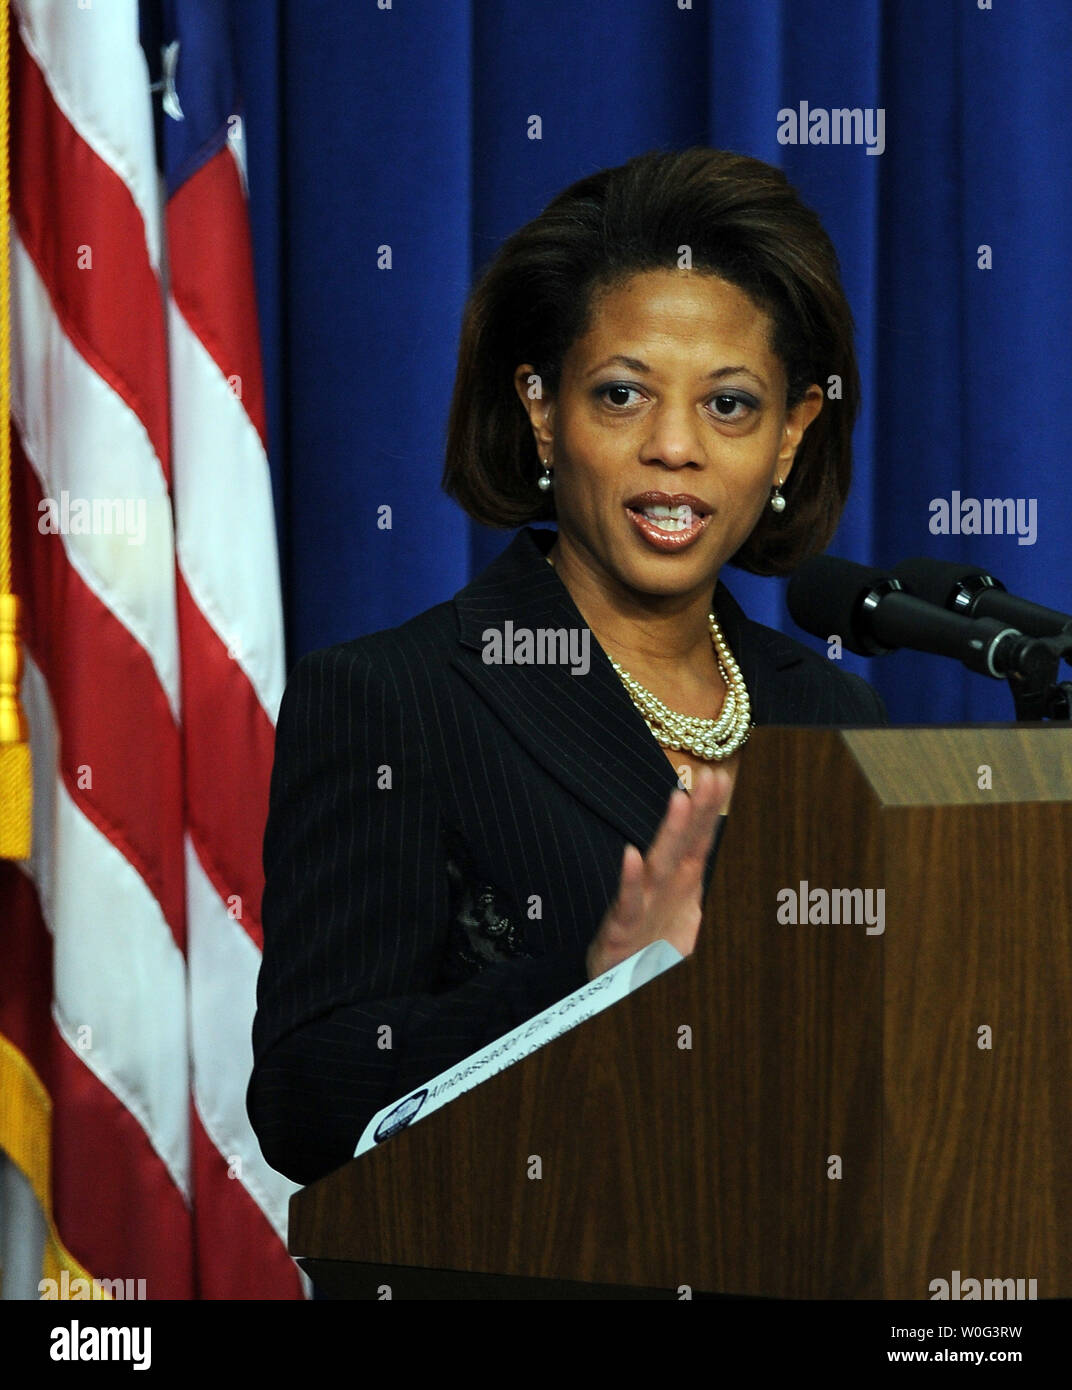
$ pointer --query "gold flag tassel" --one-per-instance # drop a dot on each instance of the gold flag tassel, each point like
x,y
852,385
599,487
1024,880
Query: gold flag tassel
x,y
16,786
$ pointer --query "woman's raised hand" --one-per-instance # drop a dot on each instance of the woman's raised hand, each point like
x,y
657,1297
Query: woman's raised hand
x,y
659,895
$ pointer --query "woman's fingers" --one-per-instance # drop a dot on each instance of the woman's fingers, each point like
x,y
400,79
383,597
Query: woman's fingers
x,y
665,850
688,826
629,907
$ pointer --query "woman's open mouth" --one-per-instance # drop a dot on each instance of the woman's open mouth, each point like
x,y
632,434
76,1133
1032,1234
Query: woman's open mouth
x,y
666,527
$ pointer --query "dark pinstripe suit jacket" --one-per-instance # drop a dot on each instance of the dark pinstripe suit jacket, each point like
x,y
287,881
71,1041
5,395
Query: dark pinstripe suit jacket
x,y
444,837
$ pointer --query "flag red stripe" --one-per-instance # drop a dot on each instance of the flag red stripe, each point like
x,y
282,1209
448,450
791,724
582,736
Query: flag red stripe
x,y
112,713
227,1220
212,276
115,1205
228,759
99,308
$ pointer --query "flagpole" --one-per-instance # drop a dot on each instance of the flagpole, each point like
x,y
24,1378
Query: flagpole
x,y
15,772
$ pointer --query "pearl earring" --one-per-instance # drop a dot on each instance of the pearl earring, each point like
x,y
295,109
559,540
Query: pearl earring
x,y
777,501
544,483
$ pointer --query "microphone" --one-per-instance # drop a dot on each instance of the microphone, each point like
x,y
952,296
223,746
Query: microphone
x,y
873,615
972,592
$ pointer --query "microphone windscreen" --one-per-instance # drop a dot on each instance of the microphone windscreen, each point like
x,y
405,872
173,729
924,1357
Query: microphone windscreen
x,y
824,594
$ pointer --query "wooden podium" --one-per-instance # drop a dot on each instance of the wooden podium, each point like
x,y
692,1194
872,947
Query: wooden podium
x,y
795,1111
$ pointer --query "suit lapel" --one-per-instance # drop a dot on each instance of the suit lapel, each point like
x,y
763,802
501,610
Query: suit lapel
x,y
583,729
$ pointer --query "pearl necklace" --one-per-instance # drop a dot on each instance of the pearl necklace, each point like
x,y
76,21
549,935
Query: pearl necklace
x,y
710,739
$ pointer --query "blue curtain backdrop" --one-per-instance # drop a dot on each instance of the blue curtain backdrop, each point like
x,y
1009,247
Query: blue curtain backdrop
x,y
407,123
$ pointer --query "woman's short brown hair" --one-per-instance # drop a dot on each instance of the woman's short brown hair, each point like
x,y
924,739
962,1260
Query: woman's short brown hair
x,y
741,220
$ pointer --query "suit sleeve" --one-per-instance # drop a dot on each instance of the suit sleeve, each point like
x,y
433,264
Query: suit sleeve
x,y
355,915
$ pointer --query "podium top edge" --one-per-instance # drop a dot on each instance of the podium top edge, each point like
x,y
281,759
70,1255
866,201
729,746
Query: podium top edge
x,y
941,764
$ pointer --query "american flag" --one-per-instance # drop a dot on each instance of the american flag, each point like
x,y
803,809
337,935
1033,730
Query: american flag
x,y
145,558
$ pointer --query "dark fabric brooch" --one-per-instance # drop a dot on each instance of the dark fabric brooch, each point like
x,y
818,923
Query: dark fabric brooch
x,y
484,928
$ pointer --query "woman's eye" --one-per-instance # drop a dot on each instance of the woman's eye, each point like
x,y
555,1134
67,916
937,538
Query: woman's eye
x,y
731,407
615,388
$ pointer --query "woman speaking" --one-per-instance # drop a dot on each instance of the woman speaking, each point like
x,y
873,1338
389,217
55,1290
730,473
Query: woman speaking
x,y
476,812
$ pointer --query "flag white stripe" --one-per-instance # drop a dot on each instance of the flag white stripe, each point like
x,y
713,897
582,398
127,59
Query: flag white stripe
x,y
83,439
224,514
119,980
95,68
223,963
236,143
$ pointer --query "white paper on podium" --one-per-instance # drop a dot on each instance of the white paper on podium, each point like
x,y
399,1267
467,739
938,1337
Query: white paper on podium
x,y
592,998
